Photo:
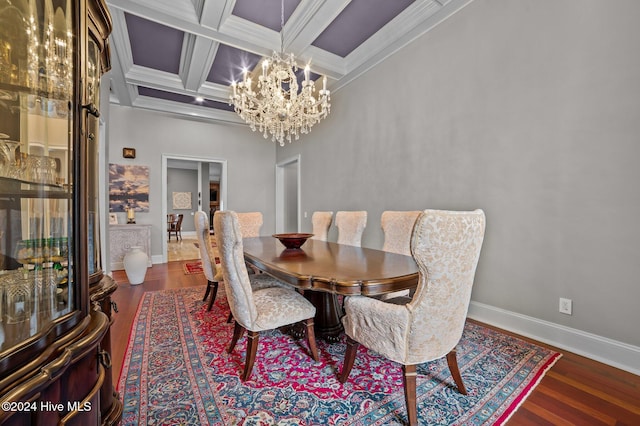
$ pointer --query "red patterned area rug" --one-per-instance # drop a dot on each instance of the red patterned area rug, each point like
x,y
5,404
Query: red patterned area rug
x,y
192,267
176,371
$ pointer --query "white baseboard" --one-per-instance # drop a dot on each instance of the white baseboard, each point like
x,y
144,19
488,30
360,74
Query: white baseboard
x,y
156,258
611,352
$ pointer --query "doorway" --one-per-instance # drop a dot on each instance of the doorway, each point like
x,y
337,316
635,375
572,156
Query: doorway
x,y
288,195
216,170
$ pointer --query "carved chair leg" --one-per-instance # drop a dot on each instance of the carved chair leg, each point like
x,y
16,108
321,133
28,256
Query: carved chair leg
x,y
252,348
214,285
237,332
230,318
311,339
409,380
452,360
349,358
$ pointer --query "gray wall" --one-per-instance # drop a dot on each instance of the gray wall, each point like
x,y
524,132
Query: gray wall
x,y
526,109
250,161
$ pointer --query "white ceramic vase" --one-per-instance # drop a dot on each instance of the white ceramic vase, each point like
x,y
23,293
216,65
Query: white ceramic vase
x,y
135,265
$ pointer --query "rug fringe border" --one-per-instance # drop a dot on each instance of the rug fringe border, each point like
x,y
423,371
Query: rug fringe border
x,y
510,411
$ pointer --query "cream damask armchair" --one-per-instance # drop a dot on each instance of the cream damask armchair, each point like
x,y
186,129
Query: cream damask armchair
x,y
351,226
207,256
256,310
321,222
212,271
397,227
250,224
446,246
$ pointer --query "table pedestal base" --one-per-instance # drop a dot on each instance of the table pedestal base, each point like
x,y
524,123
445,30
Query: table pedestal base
x,y
328,313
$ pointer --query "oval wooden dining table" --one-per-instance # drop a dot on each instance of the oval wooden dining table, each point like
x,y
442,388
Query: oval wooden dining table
x,y
325,270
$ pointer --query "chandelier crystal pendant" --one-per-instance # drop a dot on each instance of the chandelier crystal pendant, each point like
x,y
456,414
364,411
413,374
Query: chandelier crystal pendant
x,y
277,105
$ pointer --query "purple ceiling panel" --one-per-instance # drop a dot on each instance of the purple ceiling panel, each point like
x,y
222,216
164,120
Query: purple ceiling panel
x,y
356,23
154,45
265,12
185,99
230,63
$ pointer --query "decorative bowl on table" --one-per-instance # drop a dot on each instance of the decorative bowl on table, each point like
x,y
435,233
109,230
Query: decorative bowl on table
x,y
293,240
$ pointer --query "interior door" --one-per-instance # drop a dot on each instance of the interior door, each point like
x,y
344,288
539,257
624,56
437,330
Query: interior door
x,y
288,195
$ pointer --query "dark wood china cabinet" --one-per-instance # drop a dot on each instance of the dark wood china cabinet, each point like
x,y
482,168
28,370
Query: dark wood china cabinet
x,y
55,301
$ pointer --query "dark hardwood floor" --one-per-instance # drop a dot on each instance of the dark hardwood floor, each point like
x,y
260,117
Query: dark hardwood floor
x,y
576,391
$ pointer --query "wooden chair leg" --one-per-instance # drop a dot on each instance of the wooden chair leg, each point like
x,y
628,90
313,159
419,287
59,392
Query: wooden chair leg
x,y
349,358
230,318
409,381
207,291
252,348
311,339
452,360
214,285
237,332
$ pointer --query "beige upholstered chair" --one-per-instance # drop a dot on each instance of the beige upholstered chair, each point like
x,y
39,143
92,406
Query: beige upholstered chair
x,y
397,227
321,222
207,256
350,227
446,246
256,310
212,271
250,224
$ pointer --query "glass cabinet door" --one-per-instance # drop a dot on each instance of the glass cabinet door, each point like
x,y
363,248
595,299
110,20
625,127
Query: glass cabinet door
x,y
36,170
92,142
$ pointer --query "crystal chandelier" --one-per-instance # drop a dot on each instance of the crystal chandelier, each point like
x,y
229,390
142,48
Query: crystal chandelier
x,y
275,105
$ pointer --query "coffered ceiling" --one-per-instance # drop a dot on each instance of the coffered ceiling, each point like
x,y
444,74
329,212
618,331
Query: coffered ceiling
x,y
165,53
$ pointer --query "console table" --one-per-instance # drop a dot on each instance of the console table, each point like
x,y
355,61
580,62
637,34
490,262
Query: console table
x,y
123,237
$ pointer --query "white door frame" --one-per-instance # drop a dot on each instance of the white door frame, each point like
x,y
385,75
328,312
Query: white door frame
x,y
280,192
199,159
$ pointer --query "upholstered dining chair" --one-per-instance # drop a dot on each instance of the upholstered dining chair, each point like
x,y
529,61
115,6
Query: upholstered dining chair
x,y
321,222
212,271
174,225
397,227
351,225
256,310
207,257
250,224
446,246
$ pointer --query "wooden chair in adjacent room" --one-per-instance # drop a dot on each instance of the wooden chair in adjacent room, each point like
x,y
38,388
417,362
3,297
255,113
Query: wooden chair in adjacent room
x,y
321,222
256,310
446,246
174,225
351,225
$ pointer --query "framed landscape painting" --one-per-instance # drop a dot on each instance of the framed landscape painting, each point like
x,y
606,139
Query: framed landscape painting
x,y
128,188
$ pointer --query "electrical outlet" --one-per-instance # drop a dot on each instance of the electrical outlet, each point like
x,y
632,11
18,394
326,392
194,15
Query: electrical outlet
x,y
565,306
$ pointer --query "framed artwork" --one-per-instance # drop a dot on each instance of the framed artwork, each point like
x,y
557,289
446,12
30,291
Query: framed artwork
x,y
182,201
113,219
128,188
